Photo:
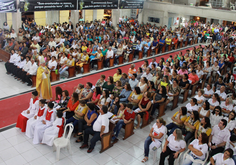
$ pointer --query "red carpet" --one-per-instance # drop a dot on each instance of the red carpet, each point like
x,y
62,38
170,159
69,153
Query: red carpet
x,y
12,107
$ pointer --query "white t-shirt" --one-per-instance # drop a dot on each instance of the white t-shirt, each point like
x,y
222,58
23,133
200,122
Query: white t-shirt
x,y
230,124
215,119
102,120
191,108
104,100
222,95
110,54
51,64
63,60
210,92
220,161
199,99
201,147
199,73
203,112
157,131
219,136
213,104
175,145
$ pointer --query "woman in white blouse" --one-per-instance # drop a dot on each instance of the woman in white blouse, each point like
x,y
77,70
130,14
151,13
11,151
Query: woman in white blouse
x,y
174,145
216,116
227,106
204,110
104,98
192,105
155,137
231,123
223,158
63,59
198,148
200,98
143,84
214,101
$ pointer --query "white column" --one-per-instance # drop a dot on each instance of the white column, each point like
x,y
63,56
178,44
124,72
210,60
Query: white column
x,y
140,15
221,22
3,19
165,19
115,16
16,19
74,17
52,16
94,14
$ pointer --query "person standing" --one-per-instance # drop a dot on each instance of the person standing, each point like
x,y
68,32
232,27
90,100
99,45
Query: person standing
x,y
43,84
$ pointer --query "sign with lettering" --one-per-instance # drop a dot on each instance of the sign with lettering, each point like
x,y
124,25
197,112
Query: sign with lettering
x,y
131,4
44,5
97,4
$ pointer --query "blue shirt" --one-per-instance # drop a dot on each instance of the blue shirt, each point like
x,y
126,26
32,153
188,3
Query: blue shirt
x,y
163,42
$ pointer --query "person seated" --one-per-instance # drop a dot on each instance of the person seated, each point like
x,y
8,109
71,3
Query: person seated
x,y
96,96
124,79
222,93
100,127
28,113
230,121
204,110
52,64
131,71
155,137
87,93
56,130
69,63
71,106
147,74
63,101
193,78
125,93
104,99
93,57
218,84
78,88
172,91
119,53
198,149
192,105
116,107
88,121
216,116
127,117
143,106
83,60
39,115
231,144
109,55
184,83
190,125
223,158
218,138
208,92
100,81
118,88
200,98
214,101
128,51
174,145
135,97
203,127
44,123
109,85
117,75
79,113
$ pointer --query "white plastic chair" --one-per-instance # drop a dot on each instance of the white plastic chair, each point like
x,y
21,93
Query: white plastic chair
x,y
63,141
195,161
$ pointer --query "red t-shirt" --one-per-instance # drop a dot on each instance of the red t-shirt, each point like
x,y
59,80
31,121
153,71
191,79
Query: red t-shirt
x,y
193,78
71,105
129,115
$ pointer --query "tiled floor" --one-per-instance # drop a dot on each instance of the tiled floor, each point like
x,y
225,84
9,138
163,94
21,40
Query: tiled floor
x,y
17,149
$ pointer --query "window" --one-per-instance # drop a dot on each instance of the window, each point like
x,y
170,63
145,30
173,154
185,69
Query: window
x,y
152,19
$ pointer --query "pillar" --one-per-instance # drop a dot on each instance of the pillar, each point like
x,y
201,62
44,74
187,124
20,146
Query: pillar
x,y
94,14
221,22
3,19
9,19
100,14
115,16
64,16
52,16
16,20
74,17
165,19
140,15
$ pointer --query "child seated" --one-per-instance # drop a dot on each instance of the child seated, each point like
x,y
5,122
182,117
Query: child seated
x,y
115,118
56,130
127,117
37,116
44,123
30,112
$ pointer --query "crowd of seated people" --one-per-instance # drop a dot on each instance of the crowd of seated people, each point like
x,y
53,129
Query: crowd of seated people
x,y
64,45
207,123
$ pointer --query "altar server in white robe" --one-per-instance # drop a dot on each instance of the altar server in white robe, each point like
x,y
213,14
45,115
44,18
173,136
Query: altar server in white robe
x,y
56,130
43,124
30,112
39,115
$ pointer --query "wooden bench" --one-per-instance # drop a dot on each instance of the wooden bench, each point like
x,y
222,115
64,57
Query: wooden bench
x,y
169,47
176,46
162,108
129,129
121,59
149,52
185,95
54,76
71,71
140,54
33,78
106,139
100,64
186,43
144,121
111,62
175,102
156,50
164,48
131,56
181,44
86,67
5,56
